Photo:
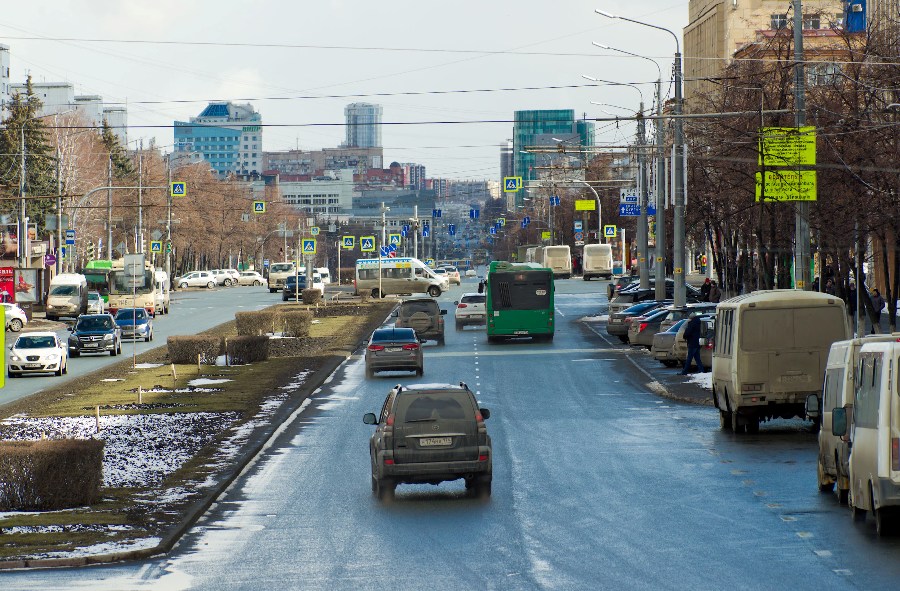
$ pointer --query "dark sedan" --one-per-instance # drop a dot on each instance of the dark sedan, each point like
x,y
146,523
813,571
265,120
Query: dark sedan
x,y
394,349
135,323
617,325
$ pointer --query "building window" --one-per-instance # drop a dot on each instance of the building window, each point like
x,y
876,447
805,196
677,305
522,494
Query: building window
x,y
811,22
779,21
822,74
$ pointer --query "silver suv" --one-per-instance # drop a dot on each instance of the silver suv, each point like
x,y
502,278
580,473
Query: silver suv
x,y
430,433
423,315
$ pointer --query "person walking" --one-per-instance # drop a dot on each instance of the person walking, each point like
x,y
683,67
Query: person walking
x,y
878,305
715,294
704,290
692,338
851,301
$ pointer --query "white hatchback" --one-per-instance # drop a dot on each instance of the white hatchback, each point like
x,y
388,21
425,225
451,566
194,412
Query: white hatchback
x,y
470,309
37,352
251,278
15,317
196,279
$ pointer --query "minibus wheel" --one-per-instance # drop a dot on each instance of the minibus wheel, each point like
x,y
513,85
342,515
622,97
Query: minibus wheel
x,y
434,291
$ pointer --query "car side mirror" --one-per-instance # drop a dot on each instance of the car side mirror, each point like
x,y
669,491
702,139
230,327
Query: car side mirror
x,y
71,329
485,413
443,312
370,419
812,406
839,422
395,314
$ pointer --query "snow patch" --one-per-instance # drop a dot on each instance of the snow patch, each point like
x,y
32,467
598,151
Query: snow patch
x,y
113,380
207,381
105,548
148,365
704,380
603,318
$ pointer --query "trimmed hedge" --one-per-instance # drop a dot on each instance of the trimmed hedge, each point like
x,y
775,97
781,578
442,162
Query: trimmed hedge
x,y
51,474
255,323
242,350
311,296
296,323
184,349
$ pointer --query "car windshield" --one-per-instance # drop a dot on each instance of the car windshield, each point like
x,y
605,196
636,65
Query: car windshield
x,y
129,313
475,299
35,342
94,323
281,268
93,296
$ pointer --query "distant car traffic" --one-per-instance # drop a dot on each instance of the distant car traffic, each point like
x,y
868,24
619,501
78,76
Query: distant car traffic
x,y
470,309
394,349
95,333
430,433
453,274
96,305
196,279
37,352
222,277
15,317
251,278
443,276
471,273
294,291
135,324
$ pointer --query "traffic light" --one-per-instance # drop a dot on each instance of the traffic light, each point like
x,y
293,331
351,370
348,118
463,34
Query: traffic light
x,y
90,251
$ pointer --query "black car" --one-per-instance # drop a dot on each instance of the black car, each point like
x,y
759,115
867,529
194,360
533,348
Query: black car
x,y
293,290
95,333
430,433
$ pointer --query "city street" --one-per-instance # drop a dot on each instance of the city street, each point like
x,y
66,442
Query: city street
x,y
598,483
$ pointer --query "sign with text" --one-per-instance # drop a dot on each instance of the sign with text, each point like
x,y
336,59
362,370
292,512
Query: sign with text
x,y
787,146
786,185
585,204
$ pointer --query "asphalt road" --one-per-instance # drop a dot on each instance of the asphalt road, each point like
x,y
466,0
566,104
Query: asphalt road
x,y
598,484
191,311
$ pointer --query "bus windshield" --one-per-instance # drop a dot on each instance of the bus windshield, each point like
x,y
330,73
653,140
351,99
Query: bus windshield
x,y
520,290
120,284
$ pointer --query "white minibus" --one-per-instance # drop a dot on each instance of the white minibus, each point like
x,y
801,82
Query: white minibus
x,y
597,261
398,276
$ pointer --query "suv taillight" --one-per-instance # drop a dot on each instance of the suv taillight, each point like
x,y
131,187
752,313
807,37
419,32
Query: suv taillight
x,y
642,327
375,348
410,347
390,420
462,306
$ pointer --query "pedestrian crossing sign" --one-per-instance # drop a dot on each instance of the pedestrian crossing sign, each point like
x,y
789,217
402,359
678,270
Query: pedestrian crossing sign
x,y
367,244
156,246
429,262
349,242
259,207
394,239
309,246
511,184
178,189
609,231
314,230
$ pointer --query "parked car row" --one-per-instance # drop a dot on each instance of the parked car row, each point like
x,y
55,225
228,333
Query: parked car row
x,y
219,277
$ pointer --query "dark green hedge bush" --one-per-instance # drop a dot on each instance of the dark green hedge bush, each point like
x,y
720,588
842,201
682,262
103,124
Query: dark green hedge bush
x,y
184,349
50,474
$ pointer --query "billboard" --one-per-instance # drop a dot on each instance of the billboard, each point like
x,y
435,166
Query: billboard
x,y
7,285
26,285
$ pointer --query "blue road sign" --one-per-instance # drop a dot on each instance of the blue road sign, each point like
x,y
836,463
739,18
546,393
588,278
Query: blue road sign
x,y
178,189
578,225
266,262
367,243
452,229
425,231
309,246
259,207
629,209
403,232
628,199
651,209
493,229
384,251
435,213
526,220
474,214
554,200
524,225
70,236
405,228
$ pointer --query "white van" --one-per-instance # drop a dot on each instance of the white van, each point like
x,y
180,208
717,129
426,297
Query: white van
x,y
68,296
839,391
277,273
559,259
398,276
770,353
162,292
597,261
874,429
326,275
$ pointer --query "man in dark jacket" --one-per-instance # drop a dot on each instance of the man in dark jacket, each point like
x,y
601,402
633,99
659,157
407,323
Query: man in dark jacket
x,y
704,290
692,338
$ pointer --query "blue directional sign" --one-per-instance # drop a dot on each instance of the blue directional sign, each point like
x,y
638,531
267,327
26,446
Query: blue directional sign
x,y
524,224
309,246
266,262
392,248
497,225
425,231
629,209
452,229
384,251
70,236
493,230
405,228
474,213
435,213
554,200
404,232
628,199
526,220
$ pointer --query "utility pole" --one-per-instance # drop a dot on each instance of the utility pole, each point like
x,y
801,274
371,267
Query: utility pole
x,y
802,246
168,220
678,163
415,229
59,232
660,199
643,200
140,226
109,210
23,221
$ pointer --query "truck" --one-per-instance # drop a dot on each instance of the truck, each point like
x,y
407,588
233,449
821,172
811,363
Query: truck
x,y
278,272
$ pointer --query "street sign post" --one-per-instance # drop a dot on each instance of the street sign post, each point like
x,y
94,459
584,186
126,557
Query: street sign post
x,y
259,207
314,230
367,244
178,189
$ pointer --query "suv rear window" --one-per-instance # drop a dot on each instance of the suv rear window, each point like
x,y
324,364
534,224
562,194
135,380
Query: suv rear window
x,y
478,299
410,308
434,406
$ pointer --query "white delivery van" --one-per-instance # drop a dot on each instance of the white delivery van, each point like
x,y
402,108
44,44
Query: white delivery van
x,y
874,430
770,353
326,275
558,259
597,261
531,254
162,292
68,296
838,391
277,273
398,276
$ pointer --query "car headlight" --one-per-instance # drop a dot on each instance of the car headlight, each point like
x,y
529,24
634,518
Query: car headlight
x,y
15,358
107,337
52,356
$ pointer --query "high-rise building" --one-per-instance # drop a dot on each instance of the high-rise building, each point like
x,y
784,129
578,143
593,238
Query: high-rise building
x,y
507,164
4,79
227,136
546,128
414,175
55,97
363,125
117,120
718,28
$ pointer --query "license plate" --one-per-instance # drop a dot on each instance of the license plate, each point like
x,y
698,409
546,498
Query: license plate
x,y
521,332
434,441
395,349
476,316
32,366
91,344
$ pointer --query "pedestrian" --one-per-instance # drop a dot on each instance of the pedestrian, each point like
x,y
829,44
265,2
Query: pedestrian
x,y
715,294
692,338
481,286
829,287
704,290
851,300
878,305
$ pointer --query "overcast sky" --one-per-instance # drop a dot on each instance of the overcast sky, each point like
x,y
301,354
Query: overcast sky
x,y
350,47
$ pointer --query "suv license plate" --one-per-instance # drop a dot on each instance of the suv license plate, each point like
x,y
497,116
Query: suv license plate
x,y
476,316
91,344
395,349
433,441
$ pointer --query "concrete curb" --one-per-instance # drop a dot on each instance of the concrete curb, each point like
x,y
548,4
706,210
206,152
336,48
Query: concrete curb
x,y
254,445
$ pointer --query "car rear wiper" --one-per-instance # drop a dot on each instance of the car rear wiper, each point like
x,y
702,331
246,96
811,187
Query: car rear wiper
x,y
428,420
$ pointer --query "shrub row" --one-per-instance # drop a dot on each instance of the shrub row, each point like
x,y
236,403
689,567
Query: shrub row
x,y
296,323
185,349
289,321
242,350
255,323
311,296
51,474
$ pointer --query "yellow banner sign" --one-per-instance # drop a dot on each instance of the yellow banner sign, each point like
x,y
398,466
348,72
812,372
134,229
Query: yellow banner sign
x,y
787,146
585,205
545,235
786,185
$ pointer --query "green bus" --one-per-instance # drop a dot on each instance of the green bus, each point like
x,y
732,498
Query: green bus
x,y
97,275
519,301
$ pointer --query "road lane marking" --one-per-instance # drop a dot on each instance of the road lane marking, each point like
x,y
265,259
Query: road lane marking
x,y
518,351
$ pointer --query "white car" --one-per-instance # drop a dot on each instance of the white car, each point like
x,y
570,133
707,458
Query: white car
x,y
37,352
470,310
234,274
222,277
96,305
15,317
444,277
453,273
196,279
251,278
471,273
317,282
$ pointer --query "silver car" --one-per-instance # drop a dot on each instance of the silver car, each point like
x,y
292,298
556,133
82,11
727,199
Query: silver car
x,y
394,349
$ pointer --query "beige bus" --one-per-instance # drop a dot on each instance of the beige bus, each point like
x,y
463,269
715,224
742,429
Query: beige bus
x,y
597,261
770,353
398,276
875,433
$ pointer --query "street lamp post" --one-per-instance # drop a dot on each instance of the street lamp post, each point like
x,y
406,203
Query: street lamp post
x,y
677,163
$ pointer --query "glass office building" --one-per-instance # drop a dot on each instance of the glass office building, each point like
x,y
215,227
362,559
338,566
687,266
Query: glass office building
x,y
363,125
227,136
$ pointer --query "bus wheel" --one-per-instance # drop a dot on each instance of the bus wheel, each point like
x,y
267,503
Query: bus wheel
x,y
737,425
434,291
375,293
724,420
